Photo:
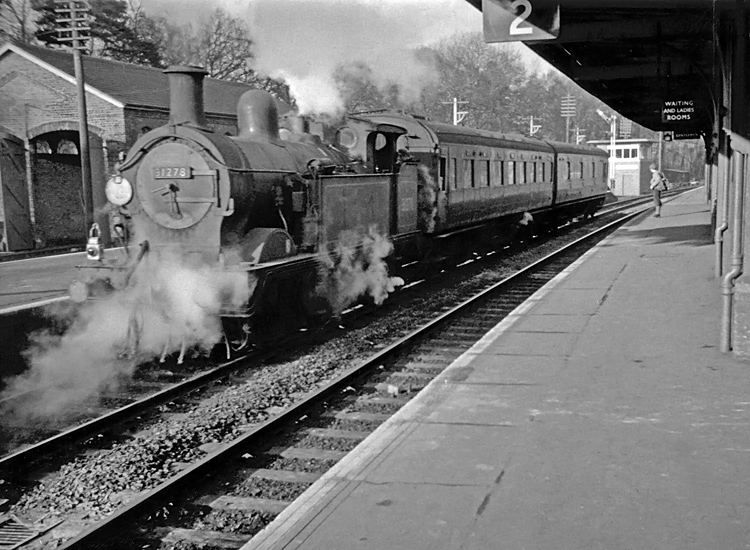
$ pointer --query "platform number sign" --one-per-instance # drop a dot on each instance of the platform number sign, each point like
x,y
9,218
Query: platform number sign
x,y
516,20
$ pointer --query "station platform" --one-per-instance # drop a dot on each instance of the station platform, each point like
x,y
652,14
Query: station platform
x,y
599,415
35,282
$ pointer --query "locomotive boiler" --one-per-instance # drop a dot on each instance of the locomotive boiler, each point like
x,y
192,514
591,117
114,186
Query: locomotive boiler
x,y
253,204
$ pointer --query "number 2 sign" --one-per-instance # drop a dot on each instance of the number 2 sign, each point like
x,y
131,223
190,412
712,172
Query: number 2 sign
x,y
512,20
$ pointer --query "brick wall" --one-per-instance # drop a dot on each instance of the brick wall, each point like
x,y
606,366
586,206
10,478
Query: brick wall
x,y
31,95
58,200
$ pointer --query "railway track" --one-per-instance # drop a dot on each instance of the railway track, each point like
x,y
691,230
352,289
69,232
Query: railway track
x,y
151,386
411,382
271,463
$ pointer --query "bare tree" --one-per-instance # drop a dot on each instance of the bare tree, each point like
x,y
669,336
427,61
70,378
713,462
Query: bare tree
x,y
221,44
17,20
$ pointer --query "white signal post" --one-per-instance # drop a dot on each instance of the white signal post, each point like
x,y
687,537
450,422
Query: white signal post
x,y
458,116
533,128
612,120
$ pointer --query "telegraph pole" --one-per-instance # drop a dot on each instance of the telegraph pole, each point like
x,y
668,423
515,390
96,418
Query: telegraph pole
x,y
568,110
73,27
458,116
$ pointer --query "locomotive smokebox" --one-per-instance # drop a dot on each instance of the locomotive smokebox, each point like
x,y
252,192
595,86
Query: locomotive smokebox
x,y
258,116
186,95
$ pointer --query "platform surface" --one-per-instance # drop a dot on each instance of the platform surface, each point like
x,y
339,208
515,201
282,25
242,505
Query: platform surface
x,y
35,281
599,415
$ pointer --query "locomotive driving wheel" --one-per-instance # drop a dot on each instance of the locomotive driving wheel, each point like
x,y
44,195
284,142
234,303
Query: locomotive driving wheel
x,y
236,337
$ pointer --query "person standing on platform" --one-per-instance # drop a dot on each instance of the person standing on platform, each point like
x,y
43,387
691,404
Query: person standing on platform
x,y
658,184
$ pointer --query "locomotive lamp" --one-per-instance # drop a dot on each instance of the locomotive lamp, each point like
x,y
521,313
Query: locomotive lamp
x,y
94,250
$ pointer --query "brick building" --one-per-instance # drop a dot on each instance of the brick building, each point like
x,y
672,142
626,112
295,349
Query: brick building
x,y
40,175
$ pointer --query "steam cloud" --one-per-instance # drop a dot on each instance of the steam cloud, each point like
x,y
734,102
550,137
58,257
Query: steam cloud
x,y
168,304
356,267
304,42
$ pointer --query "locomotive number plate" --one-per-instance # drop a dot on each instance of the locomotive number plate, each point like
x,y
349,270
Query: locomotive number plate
x,y
172,172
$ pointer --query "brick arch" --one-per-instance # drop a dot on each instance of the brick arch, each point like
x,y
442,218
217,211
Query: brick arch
x,y
5,131
60,125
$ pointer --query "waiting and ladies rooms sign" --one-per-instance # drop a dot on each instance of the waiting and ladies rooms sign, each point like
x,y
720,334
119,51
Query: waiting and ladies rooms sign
x,y
676,111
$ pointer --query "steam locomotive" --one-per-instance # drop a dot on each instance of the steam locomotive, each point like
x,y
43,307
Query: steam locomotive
x,y
277,209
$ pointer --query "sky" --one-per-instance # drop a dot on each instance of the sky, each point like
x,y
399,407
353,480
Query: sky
x,y
462,16
303,42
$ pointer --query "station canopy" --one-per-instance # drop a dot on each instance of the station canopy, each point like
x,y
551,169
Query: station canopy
x,y
653,61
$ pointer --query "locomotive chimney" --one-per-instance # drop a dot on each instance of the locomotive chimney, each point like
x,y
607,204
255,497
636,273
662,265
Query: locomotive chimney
x,y
186,95
258,116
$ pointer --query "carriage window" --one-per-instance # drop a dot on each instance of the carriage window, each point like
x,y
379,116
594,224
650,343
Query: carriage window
x,y
593,170
483,173
500,172
511,172
542,166
488,173
568,175
442,173
618,153
454,173
626,154
468,174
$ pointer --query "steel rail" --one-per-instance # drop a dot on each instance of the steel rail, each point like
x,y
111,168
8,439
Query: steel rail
x,y
167,490
24,460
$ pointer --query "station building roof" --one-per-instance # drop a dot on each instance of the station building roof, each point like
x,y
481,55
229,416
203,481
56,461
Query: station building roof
x,y
636,54
127,84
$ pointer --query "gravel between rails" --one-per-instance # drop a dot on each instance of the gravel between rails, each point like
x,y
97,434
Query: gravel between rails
x,y
93,485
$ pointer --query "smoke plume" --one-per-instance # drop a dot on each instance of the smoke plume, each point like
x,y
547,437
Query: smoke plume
x,y
356,267
304,43
169,304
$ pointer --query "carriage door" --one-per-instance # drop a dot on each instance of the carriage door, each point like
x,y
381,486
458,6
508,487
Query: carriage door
x,y
15,218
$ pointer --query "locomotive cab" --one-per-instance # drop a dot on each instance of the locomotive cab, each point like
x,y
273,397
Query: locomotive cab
x,y
381,148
